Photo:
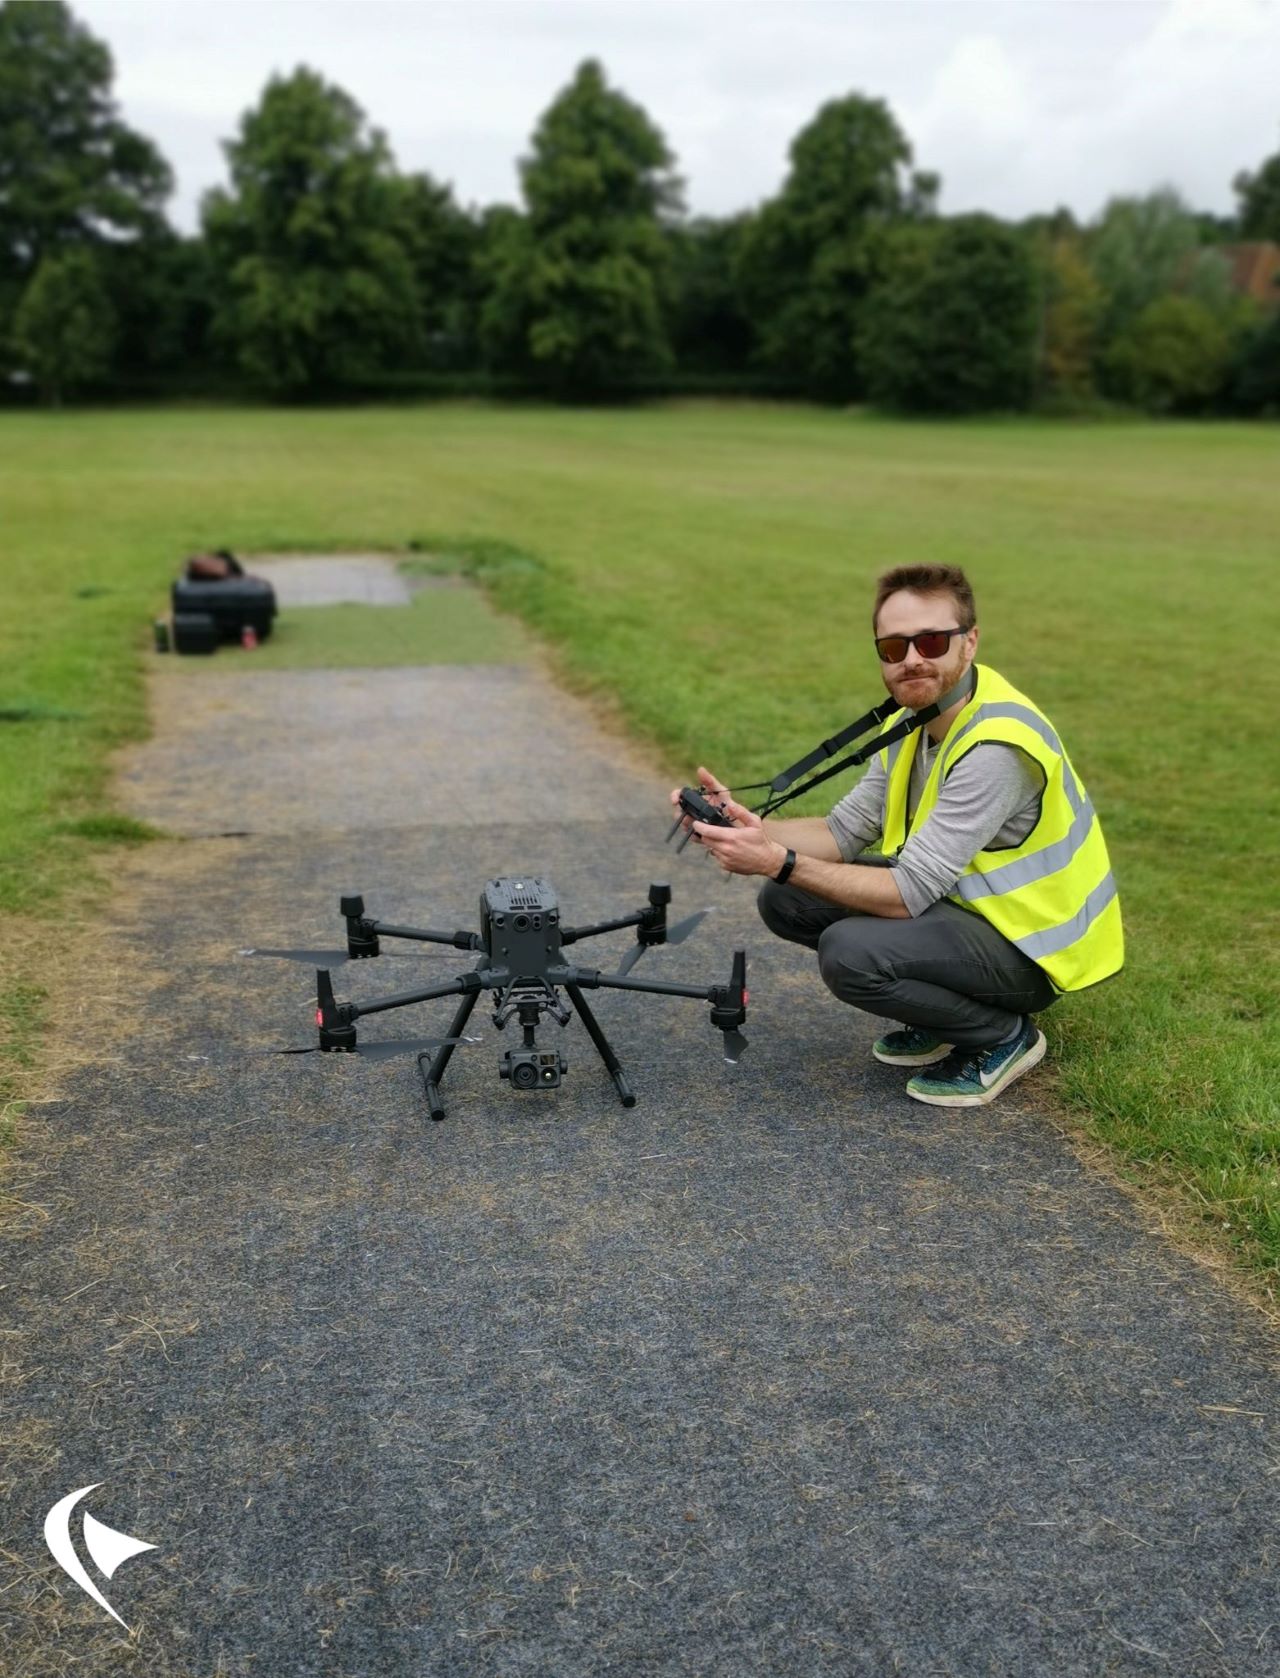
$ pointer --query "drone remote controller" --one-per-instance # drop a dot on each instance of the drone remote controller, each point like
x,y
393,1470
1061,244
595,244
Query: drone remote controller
x,y
696,804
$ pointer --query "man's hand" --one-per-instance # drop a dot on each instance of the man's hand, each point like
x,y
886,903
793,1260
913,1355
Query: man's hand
x,y
744,848
716,792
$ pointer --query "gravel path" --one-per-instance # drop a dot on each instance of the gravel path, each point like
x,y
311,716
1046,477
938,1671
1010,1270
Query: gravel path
x,y
334,580
778,1372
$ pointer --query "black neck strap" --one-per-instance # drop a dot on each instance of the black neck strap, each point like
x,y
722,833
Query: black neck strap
x,y
963,690
828,748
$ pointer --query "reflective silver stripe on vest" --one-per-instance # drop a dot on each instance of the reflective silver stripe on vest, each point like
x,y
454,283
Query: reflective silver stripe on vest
x,y
893,751
1019,713
1066,933
1026,870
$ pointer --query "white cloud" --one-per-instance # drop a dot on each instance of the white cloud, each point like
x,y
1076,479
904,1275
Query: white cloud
x,y
1019,106
976,122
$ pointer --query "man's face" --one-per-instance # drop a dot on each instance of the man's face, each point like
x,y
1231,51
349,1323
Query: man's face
x,y
915,681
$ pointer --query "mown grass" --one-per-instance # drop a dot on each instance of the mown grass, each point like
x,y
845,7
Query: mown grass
x,y
708,568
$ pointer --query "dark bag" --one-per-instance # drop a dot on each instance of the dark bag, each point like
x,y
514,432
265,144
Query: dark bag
x,y
194,632
233,603
212,568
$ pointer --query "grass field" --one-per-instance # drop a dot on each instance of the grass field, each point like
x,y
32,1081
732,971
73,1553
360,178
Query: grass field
x,y
708,570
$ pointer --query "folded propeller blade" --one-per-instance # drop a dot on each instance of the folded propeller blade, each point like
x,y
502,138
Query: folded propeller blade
x,y
675,935
735,1045
680,931
631,958
338,958
379,1051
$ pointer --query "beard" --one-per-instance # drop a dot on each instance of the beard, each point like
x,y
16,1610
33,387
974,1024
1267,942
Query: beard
x,y
923,686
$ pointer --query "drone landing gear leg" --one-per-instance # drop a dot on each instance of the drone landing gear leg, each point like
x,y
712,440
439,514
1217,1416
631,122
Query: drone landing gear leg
x,y
602,1044
433,1074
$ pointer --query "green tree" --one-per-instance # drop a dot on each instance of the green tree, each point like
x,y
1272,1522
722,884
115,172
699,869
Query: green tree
x,y
443,243
64,328
72,175
1051,225
710,329
163,296
1071,305
579,284
1143,249
1255,374
316,286
1258,195
1173,358
503,303
813,253
1215,229
951,325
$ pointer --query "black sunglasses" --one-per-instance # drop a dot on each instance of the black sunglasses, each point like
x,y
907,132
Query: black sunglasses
x,y
929,643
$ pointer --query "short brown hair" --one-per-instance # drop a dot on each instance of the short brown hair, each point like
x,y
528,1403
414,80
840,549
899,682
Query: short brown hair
x,y
928,579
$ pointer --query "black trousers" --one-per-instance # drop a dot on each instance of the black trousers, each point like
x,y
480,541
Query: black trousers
x,y
947,970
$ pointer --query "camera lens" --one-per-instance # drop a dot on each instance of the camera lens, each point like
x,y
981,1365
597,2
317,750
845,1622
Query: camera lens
x,y
521,923
524,1076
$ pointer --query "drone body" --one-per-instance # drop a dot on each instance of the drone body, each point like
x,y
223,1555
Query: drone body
x,y
521,946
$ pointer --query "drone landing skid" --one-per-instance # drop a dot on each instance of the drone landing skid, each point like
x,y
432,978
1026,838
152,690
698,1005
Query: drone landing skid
x,y
432,1074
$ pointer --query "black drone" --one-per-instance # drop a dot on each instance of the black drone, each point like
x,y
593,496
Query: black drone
x,y
521,940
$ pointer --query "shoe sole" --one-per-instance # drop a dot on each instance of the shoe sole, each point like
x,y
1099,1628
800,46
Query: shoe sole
x,y
926,1059
1024,1063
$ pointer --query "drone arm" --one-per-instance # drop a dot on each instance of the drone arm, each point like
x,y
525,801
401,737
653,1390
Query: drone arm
x,y
427,935
464,983
652,921
587,979
728,1002
571,934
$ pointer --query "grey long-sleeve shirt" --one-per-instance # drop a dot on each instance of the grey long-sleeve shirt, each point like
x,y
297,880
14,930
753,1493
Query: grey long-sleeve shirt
x,y
990,799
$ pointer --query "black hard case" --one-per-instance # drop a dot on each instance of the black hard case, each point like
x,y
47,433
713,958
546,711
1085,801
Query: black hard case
x,y
194,632
232,602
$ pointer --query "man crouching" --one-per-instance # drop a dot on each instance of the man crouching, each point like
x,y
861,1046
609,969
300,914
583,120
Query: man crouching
x,y
998,894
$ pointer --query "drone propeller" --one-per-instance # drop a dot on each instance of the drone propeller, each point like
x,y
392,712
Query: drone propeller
x,y
730,1013
735,1046
371,1051
675,935
339,958
379,1051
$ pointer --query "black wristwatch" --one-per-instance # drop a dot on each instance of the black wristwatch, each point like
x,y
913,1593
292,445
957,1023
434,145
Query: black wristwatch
x,y
784,873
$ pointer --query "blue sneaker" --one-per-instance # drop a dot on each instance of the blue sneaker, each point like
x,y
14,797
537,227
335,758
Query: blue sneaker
x,y
972,1077
912,1046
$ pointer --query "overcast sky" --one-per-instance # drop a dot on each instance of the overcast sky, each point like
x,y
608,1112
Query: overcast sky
x,y
1019,105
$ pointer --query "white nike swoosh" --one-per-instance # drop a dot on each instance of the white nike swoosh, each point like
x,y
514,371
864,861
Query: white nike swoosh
x,y
987,1080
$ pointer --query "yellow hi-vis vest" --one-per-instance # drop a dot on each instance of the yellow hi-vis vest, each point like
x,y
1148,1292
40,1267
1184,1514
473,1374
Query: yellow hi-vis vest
x,y
1054,895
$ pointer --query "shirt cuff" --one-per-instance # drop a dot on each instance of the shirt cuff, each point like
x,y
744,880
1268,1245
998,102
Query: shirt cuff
x,y
915,897
849,846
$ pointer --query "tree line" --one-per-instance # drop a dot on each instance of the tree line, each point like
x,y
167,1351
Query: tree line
x,y
321,269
